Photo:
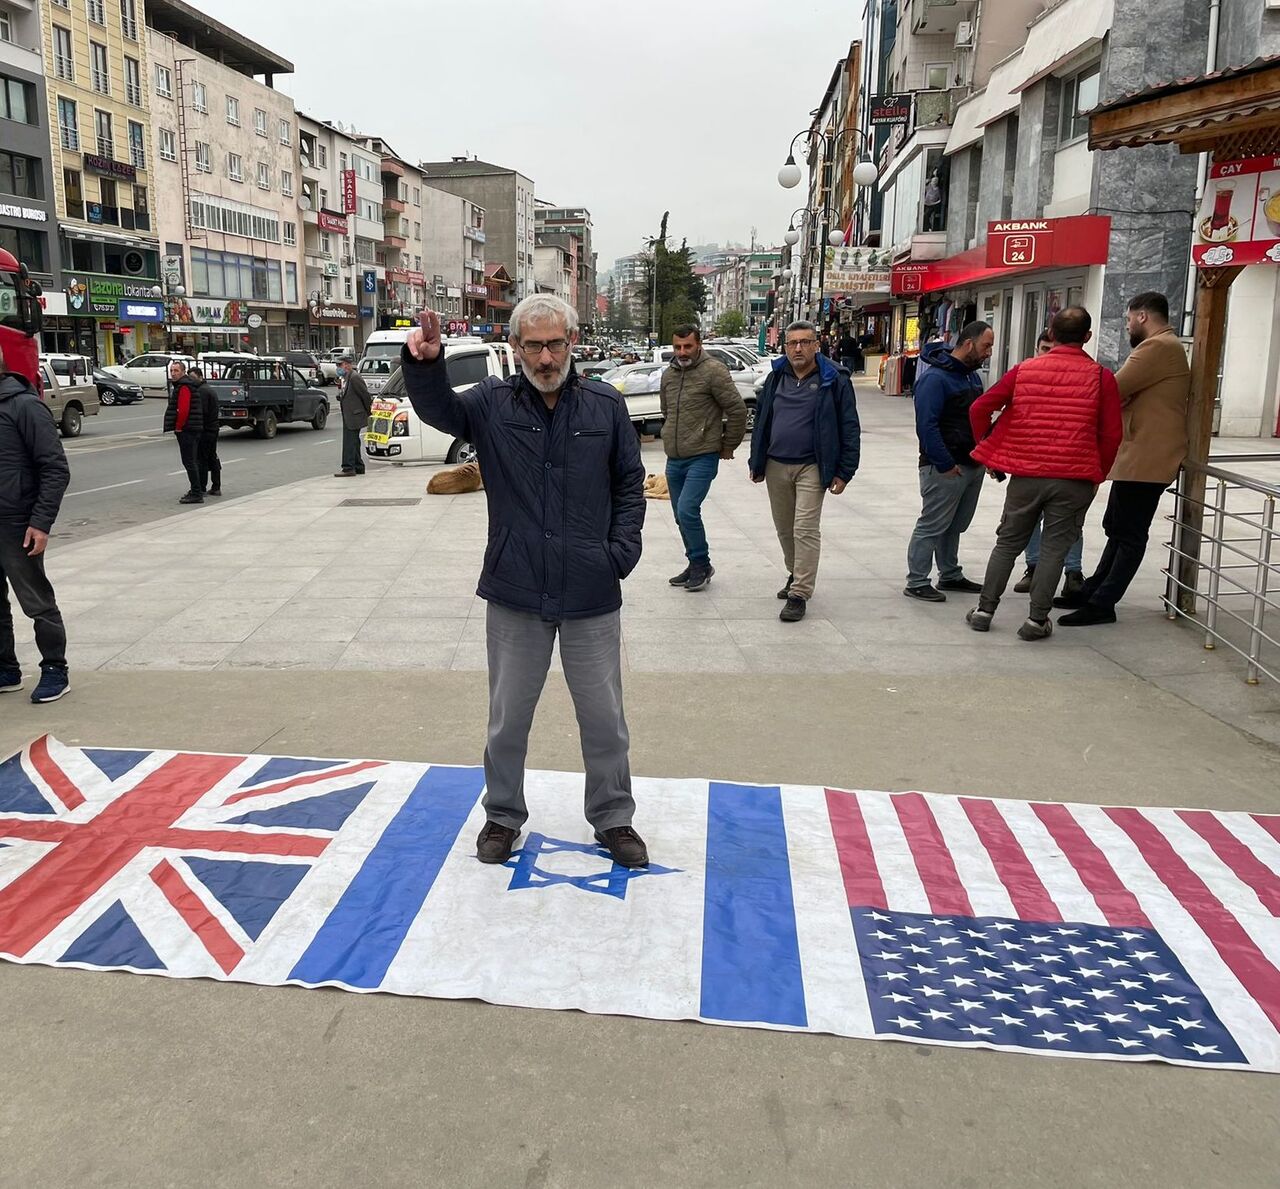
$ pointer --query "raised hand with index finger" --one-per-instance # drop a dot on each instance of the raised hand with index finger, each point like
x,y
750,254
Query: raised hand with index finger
x,y
424,342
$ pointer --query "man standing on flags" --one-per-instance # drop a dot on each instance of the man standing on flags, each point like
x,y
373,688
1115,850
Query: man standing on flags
x,y
565,487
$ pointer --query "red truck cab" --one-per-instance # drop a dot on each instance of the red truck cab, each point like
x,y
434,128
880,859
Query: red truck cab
x,y
20,318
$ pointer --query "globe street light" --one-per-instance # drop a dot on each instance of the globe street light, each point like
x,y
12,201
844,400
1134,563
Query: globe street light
x,y
789,175
791,237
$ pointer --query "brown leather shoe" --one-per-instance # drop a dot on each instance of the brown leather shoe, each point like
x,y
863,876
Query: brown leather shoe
x,y
344,474
625,845
495,842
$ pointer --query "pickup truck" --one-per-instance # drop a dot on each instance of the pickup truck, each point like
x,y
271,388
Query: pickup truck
x,y
264,392
70,404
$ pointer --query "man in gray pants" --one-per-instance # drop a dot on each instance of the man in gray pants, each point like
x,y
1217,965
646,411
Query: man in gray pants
x,y
565,485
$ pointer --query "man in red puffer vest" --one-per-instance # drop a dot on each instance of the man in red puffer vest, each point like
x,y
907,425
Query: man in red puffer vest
x,y
1057,437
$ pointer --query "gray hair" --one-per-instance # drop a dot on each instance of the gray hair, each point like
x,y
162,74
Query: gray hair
x,y
543,307
800,326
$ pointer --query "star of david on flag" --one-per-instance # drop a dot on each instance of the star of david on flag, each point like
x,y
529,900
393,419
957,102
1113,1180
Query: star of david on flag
x,y
1077,930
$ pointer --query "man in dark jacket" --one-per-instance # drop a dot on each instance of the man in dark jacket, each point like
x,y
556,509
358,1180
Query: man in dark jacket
x,y
184,418
950,481
565,488
356,405
806,442
210,415
33,476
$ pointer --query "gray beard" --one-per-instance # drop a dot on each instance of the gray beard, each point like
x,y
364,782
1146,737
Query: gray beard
x,y
547,386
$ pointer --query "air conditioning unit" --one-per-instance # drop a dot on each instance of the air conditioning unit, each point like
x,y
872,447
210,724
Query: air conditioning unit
x,y
348,261
964,35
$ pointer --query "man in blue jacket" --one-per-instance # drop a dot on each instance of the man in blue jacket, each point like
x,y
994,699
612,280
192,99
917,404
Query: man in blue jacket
x,y
565,485
950,481
806,443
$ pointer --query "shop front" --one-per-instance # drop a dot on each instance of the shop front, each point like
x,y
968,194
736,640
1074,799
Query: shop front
x,y
110,318
57,333
196,324
331,324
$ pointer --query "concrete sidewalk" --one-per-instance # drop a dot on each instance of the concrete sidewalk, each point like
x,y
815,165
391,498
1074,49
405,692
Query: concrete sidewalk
x,y
289,623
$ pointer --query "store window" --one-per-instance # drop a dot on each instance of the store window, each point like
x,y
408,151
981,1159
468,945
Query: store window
x,y
28,246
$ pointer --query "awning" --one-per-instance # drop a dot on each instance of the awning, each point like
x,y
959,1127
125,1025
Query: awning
x,y
984,107
101,234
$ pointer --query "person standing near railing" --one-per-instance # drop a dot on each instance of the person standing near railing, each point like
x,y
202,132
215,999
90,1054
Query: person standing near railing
x,y
1155,385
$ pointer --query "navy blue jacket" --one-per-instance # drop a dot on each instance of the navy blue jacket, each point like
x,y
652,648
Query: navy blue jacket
x,y
942,398
837,435
566,495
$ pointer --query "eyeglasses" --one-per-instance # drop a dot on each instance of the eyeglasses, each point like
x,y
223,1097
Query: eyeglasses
x,y
801,343
535,348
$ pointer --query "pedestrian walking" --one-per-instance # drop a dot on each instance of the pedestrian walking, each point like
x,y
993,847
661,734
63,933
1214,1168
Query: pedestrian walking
x,y
565,491
356,404
806,443
33,477
1056,438
950,480
1155,385
207,455
1074,577
184,418
704,420
847,351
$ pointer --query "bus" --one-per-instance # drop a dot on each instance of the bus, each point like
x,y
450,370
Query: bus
x,y
20,319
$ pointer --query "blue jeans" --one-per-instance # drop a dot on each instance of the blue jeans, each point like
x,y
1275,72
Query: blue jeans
x,y
1075,555
688,481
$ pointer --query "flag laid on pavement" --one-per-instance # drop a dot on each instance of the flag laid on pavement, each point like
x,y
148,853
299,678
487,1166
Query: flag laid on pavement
x,y
1130,934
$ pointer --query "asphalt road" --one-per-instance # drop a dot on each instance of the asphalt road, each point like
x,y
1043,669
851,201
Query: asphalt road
x,y
126,471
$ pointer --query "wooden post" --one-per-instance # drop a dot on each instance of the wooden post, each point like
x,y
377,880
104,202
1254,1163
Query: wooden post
x,y
1213,287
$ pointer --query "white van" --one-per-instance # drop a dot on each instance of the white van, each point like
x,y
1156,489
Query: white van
x,y
214,364
385,344
397,435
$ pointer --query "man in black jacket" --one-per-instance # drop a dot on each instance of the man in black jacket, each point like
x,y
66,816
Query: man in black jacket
x,y
356,404
33,476
565,487
207,450
184,419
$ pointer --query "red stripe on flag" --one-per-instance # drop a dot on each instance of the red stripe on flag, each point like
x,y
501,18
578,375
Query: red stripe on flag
x,y
862,885
933,860
1119,905
53,776
1031,899
1268,822
1257,975
1244,864
224,948
310,778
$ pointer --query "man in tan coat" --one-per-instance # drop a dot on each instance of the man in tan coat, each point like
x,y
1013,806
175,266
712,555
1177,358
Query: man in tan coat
x,y
704,420
1155,383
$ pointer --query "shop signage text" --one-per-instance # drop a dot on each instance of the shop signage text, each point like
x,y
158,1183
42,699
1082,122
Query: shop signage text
x,y
406,276
91,296
348,191
855,270
474,290
34,213
1239,218
890,109
332,313
141,311
115,169
328,222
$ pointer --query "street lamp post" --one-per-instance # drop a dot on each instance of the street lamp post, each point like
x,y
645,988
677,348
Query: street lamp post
x,y
168,295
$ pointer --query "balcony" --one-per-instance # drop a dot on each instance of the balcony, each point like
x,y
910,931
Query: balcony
x,y
939,16
106,148
391,168
395,241
394,205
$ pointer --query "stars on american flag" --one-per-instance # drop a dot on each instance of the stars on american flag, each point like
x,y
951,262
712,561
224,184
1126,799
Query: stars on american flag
x,y
1071,987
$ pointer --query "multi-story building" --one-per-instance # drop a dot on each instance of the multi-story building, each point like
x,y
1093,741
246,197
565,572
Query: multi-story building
x,y
551,220
95,66
227,181
629,285
362,197
507,198
555,267
402,287
28,213
453,255
331,278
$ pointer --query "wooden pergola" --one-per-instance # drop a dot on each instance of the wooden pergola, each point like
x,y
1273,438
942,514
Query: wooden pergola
x,y
1232,114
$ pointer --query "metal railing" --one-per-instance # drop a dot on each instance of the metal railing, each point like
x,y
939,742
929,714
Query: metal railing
x,y
1224,566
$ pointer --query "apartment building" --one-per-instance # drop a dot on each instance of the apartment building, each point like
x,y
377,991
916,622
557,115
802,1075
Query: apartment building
x,y
574,222
453,255
227,180
555,267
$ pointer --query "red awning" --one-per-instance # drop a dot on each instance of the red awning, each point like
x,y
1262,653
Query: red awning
x,y
1014,247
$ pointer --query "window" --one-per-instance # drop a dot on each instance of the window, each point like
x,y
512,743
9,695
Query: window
x,y
106,138
21,175
325,243
99,70
342,162
1079,95
6,29
321,155
18,101
129,19
168,145
64,65
75,195
229,275
290,235
286,132
235,167
324,200
286,183
164,81
259,121
403,193
417,196
108,202
141,209
27,246
63,3
199,97
137,151
233,110
234,218
937,76
264,176
95,11
203,160
346,288
133,81
417,231
290,283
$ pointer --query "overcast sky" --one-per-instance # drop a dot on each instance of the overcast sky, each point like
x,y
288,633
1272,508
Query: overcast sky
x,y
628,109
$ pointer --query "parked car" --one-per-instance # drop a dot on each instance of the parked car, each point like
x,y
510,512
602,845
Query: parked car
x,y
306,363
114,391
150,371
639,384
264,392
71,370
70,404
375,372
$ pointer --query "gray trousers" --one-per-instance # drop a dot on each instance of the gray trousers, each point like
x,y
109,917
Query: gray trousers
x,y
948,503
1063,503
519,647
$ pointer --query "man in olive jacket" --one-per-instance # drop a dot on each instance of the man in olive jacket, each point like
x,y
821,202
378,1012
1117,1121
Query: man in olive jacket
x,y
704,420
1155,385
356,405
